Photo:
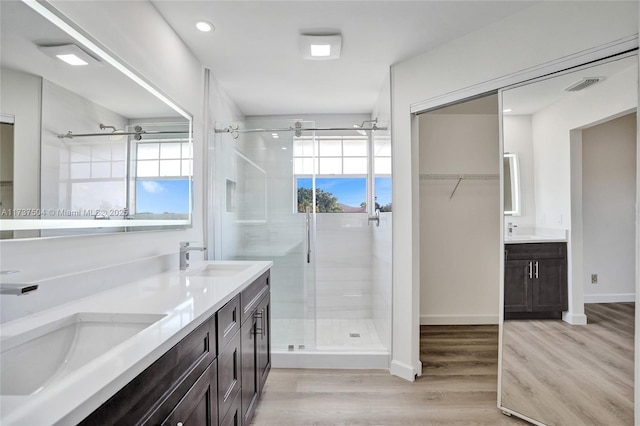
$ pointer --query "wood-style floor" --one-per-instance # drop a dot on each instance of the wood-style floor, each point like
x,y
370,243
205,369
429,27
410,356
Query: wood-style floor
x,y
458,387
561,374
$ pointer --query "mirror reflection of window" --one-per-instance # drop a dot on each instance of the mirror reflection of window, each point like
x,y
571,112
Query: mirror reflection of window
x,y
163,170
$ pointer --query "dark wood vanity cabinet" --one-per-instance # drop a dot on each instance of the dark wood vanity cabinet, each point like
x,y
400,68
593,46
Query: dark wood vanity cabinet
x,y
256,344
535,280
214,376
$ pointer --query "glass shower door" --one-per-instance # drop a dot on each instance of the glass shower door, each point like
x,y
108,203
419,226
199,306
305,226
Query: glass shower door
x,y
256,218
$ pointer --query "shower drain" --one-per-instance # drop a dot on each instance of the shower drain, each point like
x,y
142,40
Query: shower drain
x,y
354,334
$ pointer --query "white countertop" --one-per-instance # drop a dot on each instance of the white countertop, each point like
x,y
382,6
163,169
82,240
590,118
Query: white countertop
x,y
524,239
185,299
524,235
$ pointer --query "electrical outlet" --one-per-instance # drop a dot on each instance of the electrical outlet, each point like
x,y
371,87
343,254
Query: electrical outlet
x,y
594,278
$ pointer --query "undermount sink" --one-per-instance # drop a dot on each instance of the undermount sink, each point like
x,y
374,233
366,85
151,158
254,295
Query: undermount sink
x,y
221,270
34,359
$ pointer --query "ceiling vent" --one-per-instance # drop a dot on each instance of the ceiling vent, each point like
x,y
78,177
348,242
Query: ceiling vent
x,y
584,83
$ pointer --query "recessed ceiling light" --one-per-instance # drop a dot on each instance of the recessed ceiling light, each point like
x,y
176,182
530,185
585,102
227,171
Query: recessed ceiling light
x,y
320,47
70,54
275,135
204,26
320,50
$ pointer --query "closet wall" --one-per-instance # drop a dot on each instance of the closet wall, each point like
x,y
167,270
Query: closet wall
x,y
460,233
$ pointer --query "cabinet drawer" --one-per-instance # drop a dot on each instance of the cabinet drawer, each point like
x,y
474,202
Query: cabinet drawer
x,y
229,378
228,322
234,416
198,407
251,296
151,396
535,251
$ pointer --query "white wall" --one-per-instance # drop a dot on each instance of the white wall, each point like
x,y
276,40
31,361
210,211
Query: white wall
x,y
608,210
551,141
544,32
21,97
157,53
518,139
459,235
558,166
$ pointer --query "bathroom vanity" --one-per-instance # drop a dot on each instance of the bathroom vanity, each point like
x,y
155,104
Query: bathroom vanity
x,y
535,280
202,358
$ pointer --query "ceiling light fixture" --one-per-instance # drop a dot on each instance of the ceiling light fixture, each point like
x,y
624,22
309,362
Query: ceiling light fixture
x,y
204,26
70,54
320,47
507,110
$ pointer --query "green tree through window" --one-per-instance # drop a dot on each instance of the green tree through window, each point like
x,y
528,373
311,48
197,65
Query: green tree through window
x,y
325,201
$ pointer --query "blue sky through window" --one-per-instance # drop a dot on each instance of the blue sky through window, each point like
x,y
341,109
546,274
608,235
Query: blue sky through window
x,y
351,191
162,195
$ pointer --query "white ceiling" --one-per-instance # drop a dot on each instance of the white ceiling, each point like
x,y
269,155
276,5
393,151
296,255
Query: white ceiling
x,y
22,30
254,53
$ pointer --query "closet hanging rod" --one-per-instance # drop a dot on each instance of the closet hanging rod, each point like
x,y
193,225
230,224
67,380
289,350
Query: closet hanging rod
x,y
436,176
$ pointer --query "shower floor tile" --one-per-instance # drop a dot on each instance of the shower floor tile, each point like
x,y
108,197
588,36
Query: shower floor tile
x,y
332,334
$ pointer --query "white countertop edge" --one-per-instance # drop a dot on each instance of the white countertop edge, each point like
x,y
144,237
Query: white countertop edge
x,y
537,239
74,397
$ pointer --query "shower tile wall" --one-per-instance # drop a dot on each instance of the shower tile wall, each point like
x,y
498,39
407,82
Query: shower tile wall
x,y
343,266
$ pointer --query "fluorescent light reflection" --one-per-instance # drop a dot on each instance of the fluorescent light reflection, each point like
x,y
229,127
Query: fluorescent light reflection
x,y
71,59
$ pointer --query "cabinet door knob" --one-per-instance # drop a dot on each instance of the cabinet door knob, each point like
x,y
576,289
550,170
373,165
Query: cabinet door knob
x,y
179,424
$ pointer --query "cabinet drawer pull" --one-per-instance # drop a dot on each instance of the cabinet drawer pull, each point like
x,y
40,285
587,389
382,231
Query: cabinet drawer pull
x,y
536,269
530,270
259,327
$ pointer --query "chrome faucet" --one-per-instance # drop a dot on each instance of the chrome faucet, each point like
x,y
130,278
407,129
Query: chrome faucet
x,y
185,248
510,227
17,289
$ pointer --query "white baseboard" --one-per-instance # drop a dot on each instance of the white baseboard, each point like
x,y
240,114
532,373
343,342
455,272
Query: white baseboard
x,y
610,298
405,371
574,319
458,319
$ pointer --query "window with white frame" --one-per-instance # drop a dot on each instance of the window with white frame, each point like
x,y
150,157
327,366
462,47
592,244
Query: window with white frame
x,y
341,166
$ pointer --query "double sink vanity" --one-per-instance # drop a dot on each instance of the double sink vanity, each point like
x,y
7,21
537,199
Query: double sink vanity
x,y
179,348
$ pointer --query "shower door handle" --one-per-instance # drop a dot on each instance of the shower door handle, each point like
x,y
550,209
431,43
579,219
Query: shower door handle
x,y
308,219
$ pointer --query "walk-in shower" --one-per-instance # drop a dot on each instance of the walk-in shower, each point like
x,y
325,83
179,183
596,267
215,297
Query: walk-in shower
x,y
331,279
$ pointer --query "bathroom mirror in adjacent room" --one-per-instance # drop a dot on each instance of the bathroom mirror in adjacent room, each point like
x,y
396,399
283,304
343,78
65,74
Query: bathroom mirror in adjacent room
x,y
567,327
511,181
95,148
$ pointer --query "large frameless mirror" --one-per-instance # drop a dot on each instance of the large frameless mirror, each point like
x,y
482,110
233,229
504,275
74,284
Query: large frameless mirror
x,y
568,317
89,147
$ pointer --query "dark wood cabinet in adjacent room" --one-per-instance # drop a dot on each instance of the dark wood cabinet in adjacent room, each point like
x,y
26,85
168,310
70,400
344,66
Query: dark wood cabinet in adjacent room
x,y
535,280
